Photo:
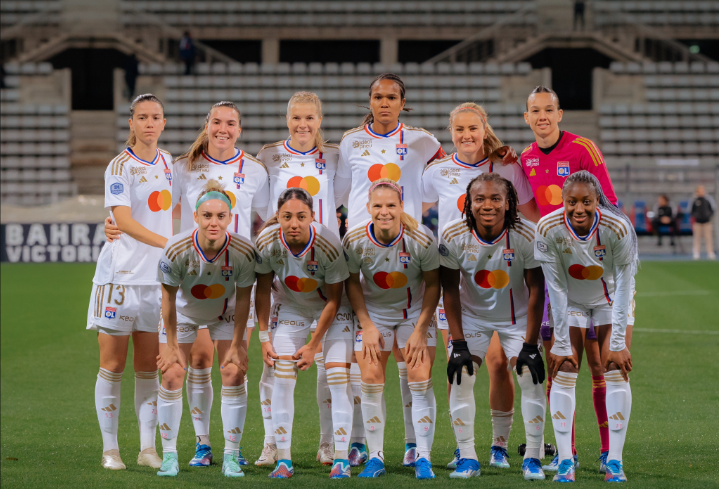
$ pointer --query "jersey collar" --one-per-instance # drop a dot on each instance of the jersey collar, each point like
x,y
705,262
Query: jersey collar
x,y
204,258
137,158
489,243
375,241
238,156
307,247
461,163
293,151
595,226
394,131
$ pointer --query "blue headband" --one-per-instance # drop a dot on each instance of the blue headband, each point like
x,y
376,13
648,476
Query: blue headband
x,y
212,196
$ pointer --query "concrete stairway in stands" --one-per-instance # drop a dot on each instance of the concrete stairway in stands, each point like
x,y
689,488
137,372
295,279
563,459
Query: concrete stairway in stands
x,y
93,147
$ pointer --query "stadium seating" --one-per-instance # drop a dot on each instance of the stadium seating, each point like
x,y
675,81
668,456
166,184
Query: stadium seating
x,y
15,12
672,13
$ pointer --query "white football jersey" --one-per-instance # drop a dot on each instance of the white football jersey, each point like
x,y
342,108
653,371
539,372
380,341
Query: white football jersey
x,y
445,181
392,278
245,180
492,284
146,188
300,278
207,287
587,261
400,155
312,170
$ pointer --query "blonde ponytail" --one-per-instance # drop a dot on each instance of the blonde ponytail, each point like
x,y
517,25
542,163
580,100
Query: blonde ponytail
x,y
200,144
309,98
146,97
410,223
491,142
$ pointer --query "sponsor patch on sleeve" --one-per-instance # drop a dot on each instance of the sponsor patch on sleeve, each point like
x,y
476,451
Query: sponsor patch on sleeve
x,y
117,188
443,250
541,246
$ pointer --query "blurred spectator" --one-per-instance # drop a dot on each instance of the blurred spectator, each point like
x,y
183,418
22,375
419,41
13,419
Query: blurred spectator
x,y
664,218
132,70
187,52
703,209
579,13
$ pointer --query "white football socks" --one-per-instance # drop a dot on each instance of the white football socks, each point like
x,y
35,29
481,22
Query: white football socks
x,y
324,401
409,436
338,379
462,409
169,414
267,382
234,412
424,416
358,435
501,426
283,406
199,399
107,405
533,413
619,407
373,417
146,387
561,403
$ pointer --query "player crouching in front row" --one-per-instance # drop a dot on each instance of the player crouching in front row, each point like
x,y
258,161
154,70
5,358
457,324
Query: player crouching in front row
x,y
214,271
491,254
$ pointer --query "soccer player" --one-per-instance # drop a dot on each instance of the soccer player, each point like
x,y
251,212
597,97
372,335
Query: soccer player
x,y
302,263
588,251
491,254
394,297
125,298
444,182
304,161
213,270
383,147
548,161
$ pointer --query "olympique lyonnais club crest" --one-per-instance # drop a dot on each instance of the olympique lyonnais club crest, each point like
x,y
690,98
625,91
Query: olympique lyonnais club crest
x,y
402,150
227,271
168,175
312,266
442,315
600,251
320,164
358,337
563,169
239,178
273,323
110,312
404,258
508,254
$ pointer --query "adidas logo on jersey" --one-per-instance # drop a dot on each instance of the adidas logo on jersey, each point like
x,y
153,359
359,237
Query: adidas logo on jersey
x,y
454,181
280,262
192,272
471,258
234,431
346,330
568,251
143,180
374,419
558,415
366,153
617,417
285,165
537,419
202,177
532,173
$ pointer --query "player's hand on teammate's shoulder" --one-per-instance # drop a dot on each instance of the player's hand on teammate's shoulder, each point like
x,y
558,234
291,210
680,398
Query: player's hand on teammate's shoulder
x,y
504,155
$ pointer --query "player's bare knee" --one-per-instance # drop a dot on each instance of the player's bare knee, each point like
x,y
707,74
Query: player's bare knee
x,y
232,375
419,374
568,367
173,378
612,366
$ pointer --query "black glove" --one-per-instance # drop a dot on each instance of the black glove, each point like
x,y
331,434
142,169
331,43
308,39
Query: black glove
x,y
459,358
531,357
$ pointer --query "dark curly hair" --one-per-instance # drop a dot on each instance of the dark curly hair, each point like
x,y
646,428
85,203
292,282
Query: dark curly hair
x,y
510,217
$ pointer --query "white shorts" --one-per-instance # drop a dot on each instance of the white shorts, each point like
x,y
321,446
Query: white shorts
x,y
478,334
250,317
581,316
290,326
403,330
120,310
187,329
441,318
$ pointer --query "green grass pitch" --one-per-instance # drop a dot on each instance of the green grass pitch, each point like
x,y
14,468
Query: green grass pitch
x,y
50,435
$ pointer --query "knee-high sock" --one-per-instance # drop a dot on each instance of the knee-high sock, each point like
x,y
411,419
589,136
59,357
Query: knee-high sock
x,y
169,414
267,382
373,417
338,379
107,405
146,387
562,410
234,412
409,435
424,416
283,406
599,397
501,427
462,409
619,407
357,421
533,413
324,401
199,400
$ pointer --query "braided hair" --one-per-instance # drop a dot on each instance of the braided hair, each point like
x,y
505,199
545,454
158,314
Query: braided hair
x,y
511,216
369,118
604,203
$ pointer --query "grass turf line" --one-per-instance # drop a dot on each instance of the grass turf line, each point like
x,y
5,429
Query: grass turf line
x,y
49,365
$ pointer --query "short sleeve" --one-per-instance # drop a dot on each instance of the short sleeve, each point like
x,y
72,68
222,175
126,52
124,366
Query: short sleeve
x,y
343,164
433,149
430,257
262,259
447,254
117,187
245,275
622,250
544,249
177,183
521,184
336,271
168,272
354,264
261,200
429,192
527,250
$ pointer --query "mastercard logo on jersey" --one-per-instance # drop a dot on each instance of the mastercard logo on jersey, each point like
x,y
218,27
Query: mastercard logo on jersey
x,y
297,284
159,201
392,280
549,195
390,170
461,201
581,272
202,292
311,184
496,279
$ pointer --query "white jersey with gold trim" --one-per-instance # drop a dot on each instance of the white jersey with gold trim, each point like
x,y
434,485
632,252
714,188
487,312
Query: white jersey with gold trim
x,y
245,179
299,279
401,155
207,286
146,188
492,286
445,181
312,170
392,278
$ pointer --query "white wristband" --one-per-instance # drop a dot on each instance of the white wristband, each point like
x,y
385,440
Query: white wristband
x,y
264,336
